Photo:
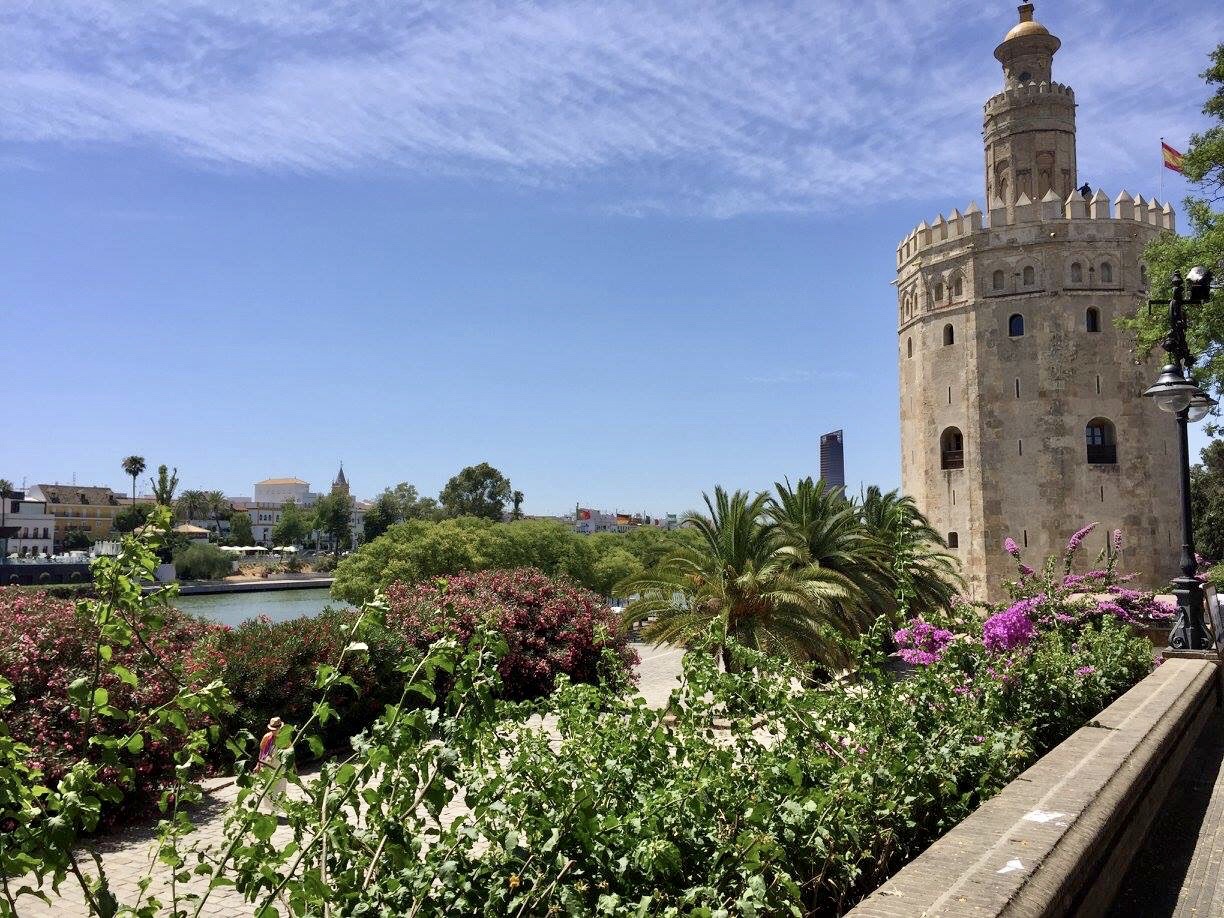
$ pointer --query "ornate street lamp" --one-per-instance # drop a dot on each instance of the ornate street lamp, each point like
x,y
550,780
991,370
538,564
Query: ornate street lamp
x,y
1177,394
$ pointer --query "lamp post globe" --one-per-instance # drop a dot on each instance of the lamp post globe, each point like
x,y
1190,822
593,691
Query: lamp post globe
x,y
1172,392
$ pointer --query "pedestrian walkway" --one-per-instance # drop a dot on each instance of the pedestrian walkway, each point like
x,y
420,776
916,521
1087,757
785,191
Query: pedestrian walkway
x,y
1179,873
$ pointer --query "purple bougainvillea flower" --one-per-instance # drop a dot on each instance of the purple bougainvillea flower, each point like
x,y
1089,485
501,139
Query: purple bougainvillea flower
x,y
1117,540
1009,629
1010,546
922,644
1085,671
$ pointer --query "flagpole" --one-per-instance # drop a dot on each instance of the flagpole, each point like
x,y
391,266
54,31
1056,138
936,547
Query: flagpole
x,y
1160,177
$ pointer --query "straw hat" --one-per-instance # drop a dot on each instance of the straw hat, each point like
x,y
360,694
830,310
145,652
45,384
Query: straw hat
x,y
275,723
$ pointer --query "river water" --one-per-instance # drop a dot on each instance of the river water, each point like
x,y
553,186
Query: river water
x,y
279,605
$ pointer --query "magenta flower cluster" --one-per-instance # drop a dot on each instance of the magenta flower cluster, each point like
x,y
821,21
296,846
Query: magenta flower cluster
x,y
1077,539
1012,628
921,643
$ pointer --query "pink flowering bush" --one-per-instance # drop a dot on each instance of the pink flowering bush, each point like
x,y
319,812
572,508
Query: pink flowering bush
x,y
920,643
1010,629
551,627
270,669
45,645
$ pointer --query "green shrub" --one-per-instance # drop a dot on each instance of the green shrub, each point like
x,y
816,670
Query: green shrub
x,y
202,562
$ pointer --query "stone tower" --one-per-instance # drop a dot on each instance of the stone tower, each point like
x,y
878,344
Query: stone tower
x,y
1021,407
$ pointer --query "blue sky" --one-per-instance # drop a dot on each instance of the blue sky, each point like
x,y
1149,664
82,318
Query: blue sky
x,y
624,250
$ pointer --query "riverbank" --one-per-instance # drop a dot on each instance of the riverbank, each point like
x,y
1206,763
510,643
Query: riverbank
x,y
252,585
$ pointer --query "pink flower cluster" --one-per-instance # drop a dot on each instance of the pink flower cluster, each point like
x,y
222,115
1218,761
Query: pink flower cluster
x,y
550,626
921,643
1077,539
1010,629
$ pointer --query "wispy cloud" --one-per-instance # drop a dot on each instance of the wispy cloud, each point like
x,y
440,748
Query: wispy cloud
x,y
710,107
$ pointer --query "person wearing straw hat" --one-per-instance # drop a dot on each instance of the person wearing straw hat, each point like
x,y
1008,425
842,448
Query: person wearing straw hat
x,y
270,757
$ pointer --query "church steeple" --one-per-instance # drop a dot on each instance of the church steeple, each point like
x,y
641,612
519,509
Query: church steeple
x,y
340,484
1029,128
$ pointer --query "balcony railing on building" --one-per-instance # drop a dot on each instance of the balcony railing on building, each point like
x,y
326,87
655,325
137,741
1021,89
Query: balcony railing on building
x,y
952,459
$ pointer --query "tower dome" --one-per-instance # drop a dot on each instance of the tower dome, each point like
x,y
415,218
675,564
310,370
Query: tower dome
x,y
1027,25
1026,51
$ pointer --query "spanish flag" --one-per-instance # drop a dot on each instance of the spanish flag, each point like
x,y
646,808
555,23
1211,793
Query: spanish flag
x,y
1172,159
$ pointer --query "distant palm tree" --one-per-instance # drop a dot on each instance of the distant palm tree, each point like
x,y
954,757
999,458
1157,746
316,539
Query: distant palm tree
x,y
741,582
217,505
192,505
134,466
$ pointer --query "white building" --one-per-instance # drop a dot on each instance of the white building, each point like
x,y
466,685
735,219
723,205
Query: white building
x,y
32,526
280,490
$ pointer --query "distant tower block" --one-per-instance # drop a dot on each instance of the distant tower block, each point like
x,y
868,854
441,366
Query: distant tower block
x,y
1021,413
832,459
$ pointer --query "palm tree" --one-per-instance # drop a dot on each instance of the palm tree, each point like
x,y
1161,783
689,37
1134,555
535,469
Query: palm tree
x,y
922,575
192,505
217,505
134,466
821,527
740,582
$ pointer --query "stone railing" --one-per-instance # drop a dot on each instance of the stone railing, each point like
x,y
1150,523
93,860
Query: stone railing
x,y
1058,840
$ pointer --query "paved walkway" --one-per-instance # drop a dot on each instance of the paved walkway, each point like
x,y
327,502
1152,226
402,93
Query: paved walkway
x,y
1180,870
128,855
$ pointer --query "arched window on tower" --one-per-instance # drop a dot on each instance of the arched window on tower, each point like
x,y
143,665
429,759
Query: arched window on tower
x,y
951,449
1030,276
939,293
1106,273
1092,319
1102,442
949,335
1015,326
909,347
996,280
1077,273
958,286
953,540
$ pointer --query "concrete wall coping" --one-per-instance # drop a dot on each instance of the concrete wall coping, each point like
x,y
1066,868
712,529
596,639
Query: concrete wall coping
x,y
1058,839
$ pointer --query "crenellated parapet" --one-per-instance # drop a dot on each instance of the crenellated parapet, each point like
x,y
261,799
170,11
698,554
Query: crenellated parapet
x,y
1029,92
1050,209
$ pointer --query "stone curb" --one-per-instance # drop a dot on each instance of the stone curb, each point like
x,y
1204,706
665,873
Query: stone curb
x,y
1058,839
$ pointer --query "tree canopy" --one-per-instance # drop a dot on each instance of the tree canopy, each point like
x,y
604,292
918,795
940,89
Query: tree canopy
x,y
333,515
1203,164
478,490
418,550
292,527
240,529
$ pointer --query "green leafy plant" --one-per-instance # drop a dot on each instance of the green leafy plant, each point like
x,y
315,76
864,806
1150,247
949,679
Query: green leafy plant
x,y
200,561
48,814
